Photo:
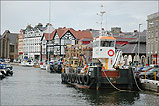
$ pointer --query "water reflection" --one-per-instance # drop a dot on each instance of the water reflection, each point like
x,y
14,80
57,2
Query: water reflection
x,y
31,86
108,97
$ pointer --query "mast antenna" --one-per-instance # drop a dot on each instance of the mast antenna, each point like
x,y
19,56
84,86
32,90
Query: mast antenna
x,y
101,15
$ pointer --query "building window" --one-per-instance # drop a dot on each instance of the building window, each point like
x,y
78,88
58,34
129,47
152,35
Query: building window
x,y
11,48
157,23
157,34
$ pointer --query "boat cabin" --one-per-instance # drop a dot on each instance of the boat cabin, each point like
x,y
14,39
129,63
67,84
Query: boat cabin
x,y
104,50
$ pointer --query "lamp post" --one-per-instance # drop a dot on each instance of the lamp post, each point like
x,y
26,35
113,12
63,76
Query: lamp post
x,y
49,32
139,44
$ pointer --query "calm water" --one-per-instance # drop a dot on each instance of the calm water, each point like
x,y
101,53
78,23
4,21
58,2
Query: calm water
x,y
32,86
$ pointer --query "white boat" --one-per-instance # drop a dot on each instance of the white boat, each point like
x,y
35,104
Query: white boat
x,y
43,66
27,63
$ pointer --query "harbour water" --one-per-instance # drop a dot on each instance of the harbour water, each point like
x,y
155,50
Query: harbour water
x,y
32,86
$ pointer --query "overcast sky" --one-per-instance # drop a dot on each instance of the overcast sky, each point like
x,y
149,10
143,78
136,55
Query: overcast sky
x,y
16,15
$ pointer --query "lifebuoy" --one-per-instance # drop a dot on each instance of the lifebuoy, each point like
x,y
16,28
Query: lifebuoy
x,y
110,52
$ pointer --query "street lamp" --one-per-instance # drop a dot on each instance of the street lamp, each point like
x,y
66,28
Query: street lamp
x,y
139,43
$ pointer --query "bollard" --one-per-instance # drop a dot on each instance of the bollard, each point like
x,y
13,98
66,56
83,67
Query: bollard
x,y
63,70
155,75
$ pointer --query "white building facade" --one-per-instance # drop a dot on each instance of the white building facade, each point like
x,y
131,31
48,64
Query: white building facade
x,y
32,41
54,45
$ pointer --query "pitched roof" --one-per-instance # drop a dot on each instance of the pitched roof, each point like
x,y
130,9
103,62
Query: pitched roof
x,y
5,32
84,35
49,36
61,31
77,34
12,38
133,48
142,39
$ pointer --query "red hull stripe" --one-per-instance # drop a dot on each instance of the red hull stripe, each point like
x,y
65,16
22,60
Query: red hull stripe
x,y
110,73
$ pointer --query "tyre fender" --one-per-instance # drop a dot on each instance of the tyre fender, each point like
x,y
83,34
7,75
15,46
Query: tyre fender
x,y
86,79
81,79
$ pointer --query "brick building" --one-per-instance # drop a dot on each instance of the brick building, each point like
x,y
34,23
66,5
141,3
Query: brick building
x,y
9,45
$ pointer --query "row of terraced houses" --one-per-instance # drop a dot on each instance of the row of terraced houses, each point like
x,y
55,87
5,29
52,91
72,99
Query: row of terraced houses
x,y
42,42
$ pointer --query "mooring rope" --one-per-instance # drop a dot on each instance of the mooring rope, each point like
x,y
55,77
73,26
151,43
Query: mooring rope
x,y
136,81
121,89
112,83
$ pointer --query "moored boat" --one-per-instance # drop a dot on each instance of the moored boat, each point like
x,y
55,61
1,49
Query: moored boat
x,y
43,65
27,63
5,70
107,71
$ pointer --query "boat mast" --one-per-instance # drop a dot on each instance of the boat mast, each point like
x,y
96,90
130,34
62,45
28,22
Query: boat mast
x,y
49,31
101,15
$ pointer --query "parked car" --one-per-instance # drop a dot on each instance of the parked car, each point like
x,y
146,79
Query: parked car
x,y
154,65
147,68
136,70
149,74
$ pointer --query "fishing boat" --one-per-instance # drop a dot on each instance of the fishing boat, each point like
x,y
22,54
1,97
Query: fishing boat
x,y
105,70
98,66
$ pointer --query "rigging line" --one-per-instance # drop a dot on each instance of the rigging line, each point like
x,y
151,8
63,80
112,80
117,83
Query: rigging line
x,y
136,81
116,58
134,48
